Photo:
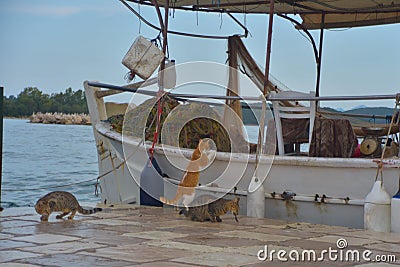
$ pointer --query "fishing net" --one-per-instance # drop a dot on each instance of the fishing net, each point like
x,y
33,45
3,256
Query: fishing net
x,y
194,127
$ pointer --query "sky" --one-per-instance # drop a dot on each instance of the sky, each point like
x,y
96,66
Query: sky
x,y
54,45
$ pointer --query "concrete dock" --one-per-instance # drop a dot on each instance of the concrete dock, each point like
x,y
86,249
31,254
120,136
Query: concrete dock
x,y
147,236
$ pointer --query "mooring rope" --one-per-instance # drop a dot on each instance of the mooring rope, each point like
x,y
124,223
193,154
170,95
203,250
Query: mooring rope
x,y
380,162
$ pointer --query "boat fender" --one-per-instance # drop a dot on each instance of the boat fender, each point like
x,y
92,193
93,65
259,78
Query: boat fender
x,y
151,184
256,199
395,212
377,209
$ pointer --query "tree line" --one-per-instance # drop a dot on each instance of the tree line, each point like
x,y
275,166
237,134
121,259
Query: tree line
x,y
31,100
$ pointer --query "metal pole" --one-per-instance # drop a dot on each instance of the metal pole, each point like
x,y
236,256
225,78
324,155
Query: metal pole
x,y
251,98
1,139
266,79
269,44
256,191
321,40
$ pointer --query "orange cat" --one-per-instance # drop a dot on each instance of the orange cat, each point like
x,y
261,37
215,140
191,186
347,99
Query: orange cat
x,y
186,188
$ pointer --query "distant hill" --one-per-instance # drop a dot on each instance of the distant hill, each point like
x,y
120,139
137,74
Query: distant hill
x,y
339,109
373,111
359,107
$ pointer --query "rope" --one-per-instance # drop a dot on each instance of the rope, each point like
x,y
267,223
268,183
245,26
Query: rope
x,y
177,32
160,105
380,162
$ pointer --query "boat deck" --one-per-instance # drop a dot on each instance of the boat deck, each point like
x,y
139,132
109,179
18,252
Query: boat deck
x,y
147,236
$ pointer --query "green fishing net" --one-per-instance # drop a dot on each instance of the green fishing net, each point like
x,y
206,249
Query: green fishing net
x,y
192,121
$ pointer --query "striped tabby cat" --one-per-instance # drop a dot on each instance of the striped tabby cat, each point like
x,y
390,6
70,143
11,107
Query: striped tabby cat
x,y
213,210
60,201
186,188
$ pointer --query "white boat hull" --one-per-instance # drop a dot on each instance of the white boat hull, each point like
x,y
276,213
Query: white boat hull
x,y
317,190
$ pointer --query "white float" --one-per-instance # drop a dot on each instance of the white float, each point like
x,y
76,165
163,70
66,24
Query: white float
x,y
377,209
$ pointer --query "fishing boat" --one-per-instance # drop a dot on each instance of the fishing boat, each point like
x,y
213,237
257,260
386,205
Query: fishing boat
x,y
325,181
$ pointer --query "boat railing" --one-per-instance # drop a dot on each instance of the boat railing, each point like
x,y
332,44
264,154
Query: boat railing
x,y
134,88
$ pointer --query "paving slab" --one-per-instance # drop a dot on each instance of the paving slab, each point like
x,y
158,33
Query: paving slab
x,y
218,259
16,264
75,260
129,235
46,238
64,247
11,255
256,236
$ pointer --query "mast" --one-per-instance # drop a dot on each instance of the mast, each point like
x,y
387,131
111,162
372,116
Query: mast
x,y
266,79
1,138
319,58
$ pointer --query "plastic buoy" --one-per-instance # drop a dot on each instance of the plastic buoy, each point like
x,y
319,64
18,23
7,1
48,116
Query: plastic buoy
x,y
377,209
256,199
395,212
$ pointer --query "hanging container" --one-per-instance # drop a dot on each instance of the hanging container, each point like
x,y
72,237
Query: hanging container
x,y
395,212
143,58
169,75
377,209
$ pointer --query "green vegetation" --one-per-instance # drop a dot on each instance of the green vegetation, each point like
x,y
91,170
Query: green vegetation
x,y
33,100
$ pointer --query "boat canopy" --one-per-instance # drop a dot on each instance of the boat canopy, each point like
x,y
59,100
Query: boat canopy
x,y
315,14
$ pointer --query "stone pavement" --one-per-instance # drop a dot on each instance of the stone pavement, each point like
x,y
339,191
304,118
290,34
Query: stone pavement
x,y
147,236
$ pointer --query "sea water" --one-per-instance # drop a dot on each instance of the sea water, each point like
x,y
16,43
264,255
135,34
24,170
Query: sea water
x,y
40,158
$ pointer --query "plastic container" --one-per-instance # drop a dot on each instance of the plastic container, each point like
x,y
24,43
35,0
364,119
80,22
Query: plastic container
x,y
377,209
143,58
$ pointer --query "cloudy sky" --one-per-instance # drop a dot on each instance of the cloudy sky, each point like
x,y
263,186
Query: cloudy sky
x,y
54,45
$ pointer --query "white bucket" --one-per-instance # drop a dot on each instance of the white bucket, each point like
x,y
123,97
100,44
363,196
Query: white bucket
x,y
377,209
143,58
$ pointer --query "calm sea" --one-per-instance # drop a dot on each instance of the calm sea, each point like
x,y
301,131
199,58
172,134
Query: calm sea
x,y
39,158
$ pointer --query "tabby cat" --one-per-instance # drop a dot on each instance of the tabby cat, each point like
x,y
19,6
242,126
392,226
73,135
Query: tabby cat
x,y
213,210
60,201
186,188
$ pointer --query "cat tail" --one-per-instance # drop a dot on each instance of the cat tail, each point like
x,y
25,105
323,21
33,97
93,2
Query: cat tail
x,y
171,201
88,211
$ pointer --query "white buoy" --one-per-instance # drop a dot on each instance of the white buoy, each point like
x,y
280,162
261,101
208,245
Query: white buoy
x,y
395,212
256,198
377,209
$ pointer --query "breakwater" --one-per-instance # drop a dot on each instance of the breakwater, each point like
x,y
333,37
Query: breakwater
x,y
60,118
